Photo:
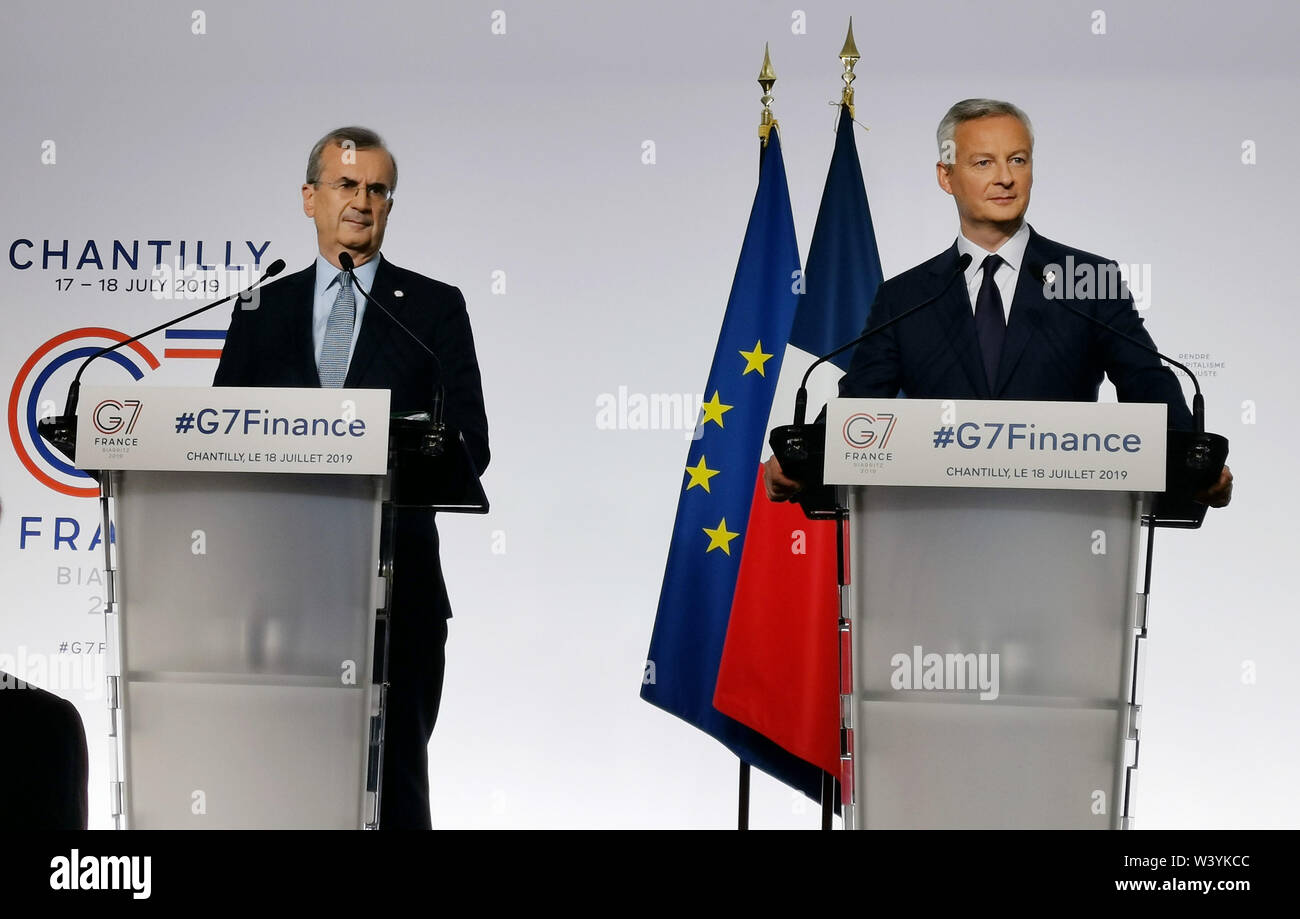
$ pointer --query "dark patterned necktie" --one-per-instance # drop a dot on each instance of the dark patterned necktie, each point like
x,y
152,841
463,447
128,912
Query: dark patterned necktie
x,y
990,320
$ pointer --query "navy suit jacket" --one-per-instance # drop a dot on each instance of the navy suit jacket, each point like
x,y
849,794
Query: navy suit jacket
x,y
46,766
271,345
1049,353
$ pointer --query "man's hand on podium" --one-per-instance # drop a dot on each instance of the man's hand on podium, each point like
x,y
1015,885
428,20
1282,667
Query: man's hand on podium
x,y
779,488
1218,494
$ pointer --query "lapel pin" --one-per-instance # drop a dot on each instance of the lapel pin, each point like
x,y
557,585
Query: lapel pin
x,y
398,293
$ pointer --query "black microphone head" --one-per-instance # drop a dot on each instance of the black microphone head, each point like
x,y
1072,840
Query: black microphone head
x,y
964,262
274,268
345,260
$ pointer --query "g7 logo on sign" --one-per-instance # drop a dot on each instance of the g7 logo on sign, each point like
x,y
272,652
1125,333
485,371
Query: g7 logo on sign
x,y
28,393
107,421
862,430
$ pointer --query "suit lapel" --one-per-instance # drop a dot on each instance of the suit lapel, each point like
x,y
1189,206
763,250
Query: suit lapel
x,y
299,294
1026,307
958,321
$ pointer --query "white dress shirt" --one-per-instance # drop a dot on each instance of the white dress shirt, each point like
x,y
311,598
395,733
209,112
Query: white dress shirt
x,y
1013,256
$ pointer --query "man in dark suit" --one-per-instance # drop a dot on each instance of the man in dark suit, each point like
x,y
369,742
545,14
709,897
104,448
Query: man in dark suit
x,y
45,771
313,329
969,344
46,767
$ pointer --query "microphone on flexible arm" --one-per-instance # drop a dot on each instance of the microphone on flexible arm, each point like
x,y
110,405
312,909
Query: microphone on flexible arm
x,y
435,440
797,448
1194,460
61,430
801,397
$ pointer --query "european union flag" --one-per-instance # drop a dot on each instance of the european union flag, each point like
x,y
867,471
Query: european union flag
x,y
718,483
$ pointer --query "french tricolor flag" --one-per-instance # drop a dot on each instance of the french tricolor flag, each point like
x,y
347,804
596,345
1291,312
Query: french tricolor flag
x,y
778,669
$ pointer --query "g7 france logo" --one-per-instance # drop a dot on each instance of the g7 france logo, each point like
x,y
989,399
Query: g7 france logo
x,y
29,401
862,430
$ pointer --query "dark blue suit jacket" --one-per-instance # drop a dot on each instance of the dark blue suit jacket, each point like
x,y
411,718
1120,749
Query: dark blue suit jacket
x,y
46,766
272,346
1049,353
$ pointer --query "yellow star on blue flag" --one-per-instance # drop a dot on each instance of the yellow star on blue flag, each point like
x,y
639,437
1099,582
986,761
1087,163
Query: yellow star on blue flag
x,y
754,360
720,537
700,474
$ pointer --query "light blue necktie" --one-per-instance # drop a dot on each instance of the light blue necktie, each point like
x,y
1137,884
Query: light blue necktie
x,y
338,335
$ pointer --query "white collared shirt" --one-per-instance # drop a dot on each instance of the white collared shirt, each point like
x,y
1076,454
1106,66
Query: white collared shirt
x,y
327,289
1013,257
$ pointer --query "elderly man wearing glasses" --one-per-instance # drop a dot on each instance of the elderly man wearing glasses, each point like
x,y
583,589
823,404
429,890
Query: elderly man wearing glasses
x,y
313,329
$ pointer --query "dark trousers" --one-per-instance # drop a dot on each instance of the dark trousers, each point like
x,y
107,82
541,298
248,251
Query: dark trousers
x,y
416,660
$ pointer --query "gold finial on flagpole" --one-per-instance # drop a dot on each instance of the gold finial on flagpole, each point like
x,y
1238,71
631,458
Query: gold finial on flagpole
x,y
766,79
848,57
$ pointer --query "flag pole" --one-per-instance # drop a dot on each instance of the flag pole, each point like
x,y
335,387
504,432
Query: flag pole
x,y
849,57
766,80
742,818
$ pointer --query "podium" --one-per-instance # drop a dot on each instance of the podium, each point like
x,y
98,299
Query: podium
x,y
241,629
994,614
248,572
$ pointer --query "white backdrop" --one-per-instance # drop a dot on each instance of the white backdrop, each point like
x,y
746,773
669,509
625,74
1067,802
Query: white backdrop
x,y
520,131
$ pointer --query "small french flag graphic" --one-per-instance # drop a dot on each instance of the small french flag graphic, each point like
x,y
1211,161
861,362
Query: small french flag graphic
x,y
195,343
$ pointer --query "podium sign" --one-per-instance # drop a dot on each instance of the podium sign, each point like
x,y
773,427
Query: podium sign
x,y
234,429
996,444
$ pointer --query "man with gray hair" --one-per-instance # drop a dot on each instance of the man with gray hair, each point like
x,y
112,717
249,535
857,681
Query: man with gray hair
x,y
312,329
997,336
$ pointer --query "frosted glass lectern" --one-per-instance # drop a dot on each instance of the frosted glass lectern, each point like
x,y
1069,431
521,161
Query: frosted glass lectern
x,y
248,575
243,624
994,611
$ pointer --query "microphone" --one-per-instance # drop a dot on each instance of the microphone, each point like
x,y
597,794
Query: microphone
x,y
435,442
1039,273
801,397
797,449
1203,454
62,429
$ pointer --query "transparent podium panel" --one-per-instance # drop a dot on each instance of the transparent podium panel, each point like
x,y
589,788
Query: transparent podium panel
x,y
242,634
202,759
952,766
994,633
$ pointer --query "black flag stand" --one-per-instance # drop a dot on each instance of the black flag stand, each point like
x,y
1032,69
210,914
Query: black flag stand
x,y
742,818
829,789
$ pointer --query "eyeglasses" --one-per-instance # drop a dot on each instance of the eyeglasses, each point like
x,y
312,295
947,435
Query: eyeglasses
x,y
375,191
